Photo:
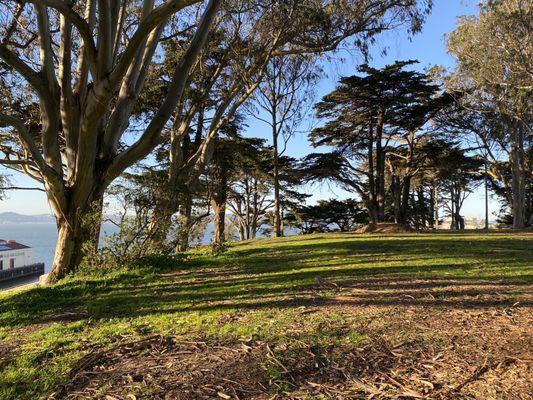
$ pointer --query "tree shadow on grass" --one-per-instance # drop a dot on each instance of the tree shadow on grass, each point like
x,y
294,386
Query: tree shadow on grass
x,y
354,274
285,256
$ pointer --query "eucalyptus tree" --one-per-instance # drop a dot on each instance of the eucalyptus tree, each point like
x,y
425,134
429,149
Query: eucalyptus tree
x,y
84,64
229,67
283,99
497,186
495,69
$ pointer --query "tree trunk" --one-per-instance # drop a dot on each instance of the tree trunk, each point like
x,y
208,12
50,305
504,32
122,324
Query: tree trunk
x,y
218,201
372,210
422,206
372,195
277,215
529,198
458,220
437,220
255,210
159,226
248,211
177,196
404,208
219,209
396,197
461,222
432,199
486,185
518,178
78,235
184,222
406,184
380,168
452,214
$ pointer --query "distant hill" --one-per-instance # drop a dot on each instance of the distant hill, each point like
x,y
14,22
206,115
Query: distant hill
x,y
11,217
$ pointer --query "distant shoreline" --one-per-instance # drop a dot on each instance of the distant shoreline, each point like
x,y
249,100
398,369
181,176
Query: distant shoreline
x,y
10,217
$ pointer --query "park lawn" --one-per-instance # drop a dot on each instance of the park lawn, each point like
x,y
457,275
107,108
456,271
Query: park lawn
x,y
444,315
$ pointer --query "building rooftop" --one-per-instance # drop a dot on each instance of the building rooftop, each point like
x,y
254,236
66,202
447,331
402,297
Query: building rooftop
x,y
7,245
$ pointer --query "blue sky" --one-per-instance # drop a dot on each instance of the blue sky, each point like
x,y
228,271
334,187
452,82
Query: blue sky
x,y
428,47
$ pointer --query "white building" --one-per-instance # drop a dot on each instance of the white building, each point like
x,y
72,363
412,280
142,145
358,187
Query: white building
x,y
15,255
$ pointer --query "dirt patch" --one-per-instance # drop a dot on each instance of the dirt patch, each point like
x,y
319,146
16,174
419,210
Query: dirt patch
x,y
385,227
73,315
442,293
410,354
442,338
166,368
465,353
7,350
427,339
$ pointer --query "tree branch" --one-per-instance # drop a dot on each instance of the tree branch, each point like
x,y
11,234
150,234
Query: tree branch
x,y
152,135
22,188
81,25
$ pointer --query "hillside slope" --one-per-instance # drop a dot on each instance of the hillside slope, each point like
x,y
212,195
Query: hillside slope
x,y
323,316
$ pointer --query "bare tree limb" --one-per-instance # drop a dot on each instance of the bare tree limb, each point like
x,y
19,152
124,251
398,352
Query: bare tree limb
x,y
152,134
23,188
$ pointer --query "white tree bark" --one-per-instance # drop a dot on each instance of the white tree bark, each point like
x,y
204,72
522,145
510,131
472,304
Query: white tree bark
x,y
75,153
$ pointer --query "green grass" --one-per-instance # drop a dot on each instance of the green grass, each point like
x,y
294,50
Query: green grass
x,y
256,289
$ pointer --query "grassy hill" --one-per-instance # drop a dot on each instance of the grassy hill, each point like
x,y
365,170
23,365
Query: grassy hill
x,y
321,316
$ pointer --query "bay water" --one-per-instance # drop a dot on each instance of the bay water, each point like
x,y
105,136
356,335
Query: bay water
x,y
42,237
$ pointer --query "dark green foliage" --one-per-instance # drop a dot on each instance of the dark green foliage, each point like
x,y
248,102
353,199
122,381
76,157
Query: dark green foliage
x,y
329,216
376,122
